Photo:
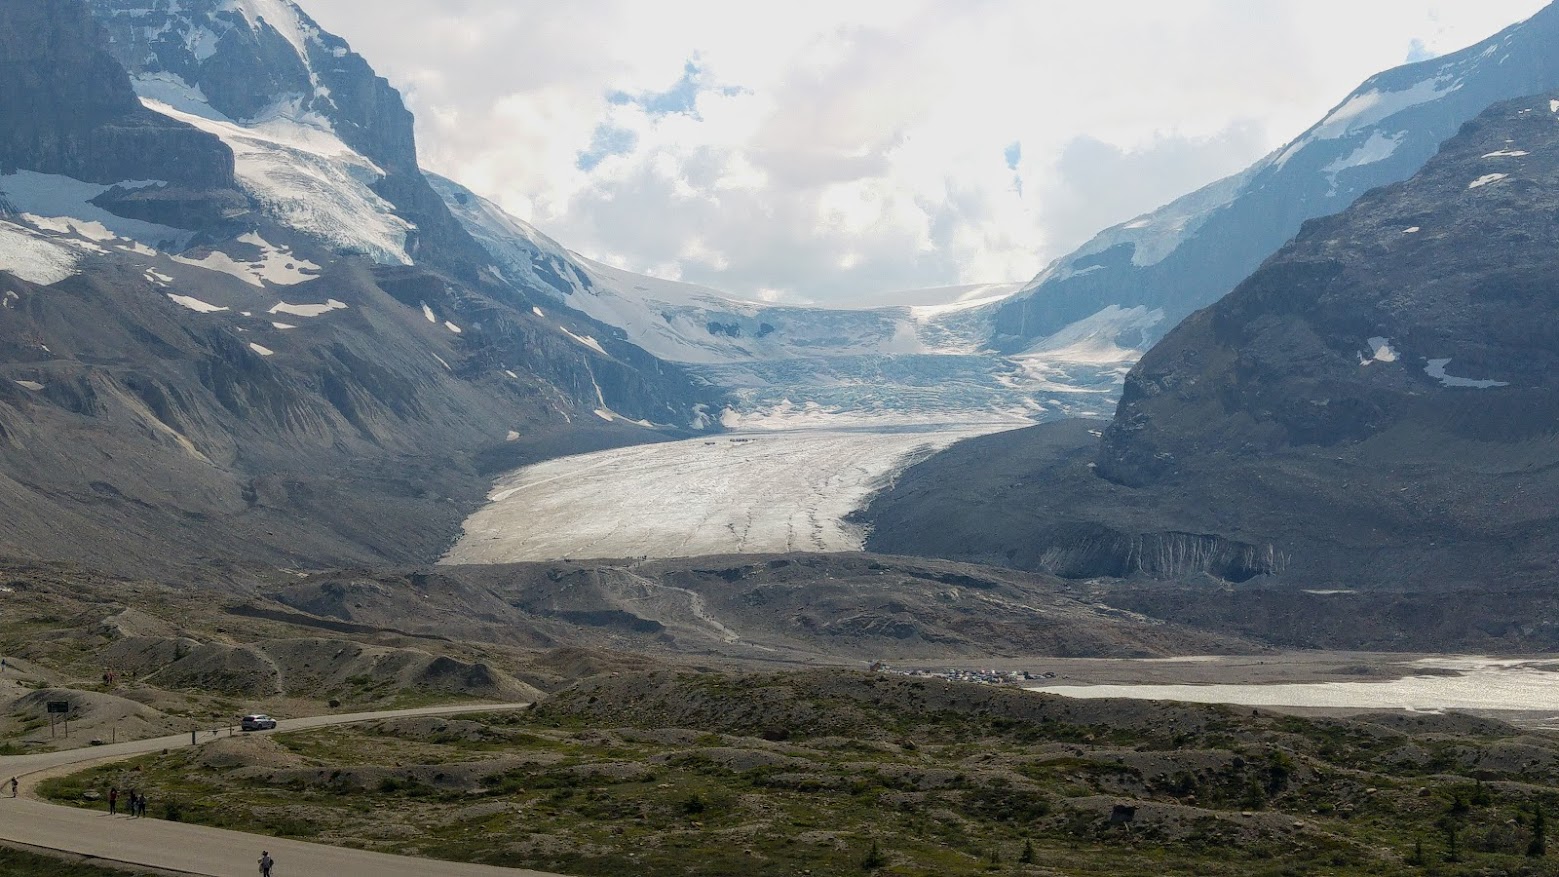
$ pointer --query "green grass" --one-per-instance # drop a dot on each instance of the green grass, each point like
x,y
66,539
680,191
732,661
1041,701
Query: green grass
x,y
585,787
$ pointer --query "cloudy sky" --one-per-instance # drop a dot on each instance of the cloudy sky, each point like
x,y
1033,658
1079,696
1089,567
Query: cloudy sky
x,y
824,150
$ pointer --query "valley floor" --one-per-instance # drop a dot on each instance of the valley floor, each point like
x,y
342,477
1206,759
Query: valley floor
x,y
830,773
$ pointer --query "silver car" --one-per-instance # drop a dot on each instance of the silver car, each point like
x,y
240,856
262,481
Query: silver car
x,y
257,722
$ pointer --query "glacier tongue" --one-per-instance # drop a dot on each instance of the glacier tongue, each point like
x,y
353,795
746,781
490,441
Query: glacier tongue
x,y
754,493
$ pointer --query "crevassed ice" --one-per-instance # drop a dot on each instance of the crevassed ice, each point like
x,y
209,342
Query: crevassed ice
x,y
304,176
732,494
34,258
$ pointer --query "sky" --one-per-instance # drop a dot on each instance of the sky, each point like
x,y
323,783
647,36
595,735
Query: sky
x,y
829,150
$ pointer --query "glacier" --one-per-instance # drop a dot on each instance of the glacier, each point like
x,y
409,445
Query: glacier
x,y
745,493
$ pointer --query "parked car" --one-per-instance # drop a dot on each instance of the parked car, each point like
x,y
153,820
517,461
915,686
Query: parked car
x,y
257,722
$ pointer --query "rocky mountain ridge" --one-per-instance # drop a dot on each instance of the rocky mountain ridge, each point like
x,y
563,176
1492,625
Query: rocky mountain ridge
x,y
1190,253
198,365
255,60
1373,408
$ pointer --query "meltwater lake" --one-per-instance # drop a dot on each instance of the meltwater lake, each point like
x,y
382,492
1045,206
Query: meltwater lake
x,y
1434,684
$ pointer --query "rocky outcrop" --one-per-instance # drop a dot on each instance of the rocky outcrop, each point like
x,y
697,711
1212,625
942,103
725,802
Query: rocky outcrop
x,y
67,107
1425,307
1375,407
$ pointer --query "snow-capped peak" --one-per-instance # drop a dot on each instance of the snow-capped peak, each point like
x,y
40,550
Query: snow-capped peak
x,y
1194,250
283,16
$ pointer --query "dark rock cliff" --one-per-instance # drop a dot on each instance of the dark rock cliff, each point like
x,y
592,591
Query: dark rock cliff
x,y
67,107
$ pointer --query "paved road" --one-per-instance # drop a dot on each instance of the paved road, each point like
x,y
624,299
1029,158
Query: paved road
x,y
190,849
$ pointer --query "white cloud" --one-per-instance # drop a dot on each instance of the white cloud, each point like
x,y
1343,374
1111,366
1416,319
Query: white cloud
x,y
849,147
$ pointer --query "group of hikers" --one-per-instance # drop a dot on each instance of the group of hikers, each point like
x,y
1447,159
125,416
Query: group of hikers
x,y
135,807
135,803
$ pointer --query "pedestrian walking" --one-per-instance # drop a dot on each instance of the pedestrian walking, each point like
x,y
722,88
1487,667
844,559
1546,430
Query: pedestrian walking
x,y
113,801
13,786
140,806
266,864
132,804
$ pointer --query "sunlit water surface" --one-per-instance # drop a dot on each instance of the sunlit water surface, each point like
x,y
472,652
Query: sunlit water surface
x,y
1485,685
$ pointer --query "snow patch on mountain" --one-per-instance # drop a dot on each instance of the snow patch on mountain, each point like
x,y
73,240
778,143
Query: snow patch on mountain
x,y
318,310
1485,180
195,304
1437,369
1378,147
1371,107
63,204
281,15
276,265
587,341
1152,237
1380,351
1113,335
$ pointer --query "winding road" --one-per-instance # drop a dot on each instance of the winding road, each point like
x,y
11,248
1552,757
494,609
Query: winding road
x,y
191,849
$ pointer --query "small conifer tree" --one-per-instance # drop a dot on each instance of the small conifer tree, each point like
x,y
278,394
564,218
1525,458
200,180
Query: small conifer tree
x,y
874,858
1539,845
